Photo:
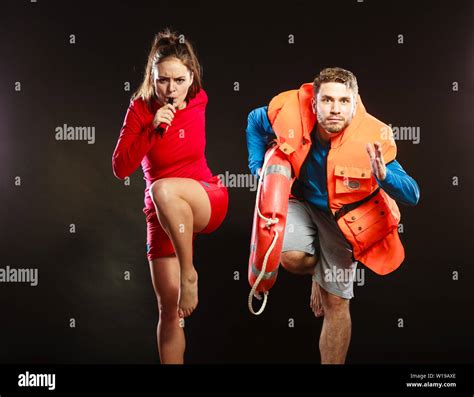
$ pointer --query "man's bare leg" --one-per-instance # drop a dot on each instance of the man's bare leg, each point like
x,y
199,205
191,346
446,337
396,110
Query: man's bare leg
x,y
336,331
299,262
316,300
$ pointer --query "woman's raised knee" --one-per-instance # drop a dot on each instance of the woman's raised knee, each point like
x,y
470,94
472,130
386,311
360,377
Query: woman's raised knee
x,y
161,192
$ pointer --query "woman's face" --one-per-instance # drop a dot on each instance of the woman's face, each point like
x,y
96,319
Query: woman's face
x,y
172,79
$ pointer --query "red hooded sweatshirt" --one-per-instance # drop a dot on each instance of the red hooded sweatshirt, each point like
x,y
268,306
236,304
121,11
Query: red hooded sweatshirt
x,y
180,153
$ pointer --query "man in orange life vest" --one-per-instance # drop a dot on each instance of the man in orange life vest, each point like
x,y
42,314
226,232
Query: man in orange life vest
x,y
342,209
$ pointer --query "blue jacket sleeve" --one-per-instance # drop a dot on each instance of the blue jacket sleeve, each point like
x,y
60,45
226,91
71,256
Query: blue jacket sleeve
x,y
399,185
259,131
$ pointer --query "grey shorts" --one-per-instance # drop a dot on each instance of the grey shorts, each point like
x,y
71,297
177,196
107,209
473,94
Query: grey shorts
x,y
315,232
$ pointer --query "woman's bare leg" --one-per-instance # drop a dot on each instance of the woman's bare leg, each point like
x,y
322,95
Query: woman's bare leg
x,y
170,333
183,207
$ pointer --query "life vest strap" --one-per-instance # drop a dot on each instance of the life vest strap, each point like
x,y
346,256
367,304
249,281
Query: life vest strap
x,y
349,207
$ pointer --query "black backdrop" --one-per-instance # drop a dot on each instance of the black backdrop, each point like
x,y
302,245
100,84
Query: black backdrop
x,y
81,274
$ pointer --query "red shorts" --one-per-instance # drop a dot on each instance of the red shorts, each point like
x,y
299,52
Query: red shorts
x,y
159,244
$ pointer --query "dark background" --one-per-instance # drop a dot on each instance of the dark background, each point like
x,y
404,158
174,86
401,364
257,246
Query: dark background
x,y
81,275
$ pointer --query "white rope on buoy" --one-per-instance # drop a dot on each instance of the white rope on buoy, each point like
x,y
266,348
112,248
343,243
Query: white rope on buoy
x,y
259,278
269,222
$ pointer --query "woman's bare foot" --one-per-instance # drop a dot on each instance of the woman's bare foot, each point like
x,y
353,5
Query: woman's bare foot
x,y
316,300
188,297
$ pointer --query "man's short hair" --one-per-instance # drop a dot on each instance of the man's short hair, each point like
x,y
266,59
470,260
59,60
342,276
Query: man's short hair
x,y
336,75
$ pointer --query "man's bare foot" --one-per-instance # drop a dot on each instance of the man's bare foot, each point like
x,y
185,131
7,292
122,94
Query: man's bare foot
x,y
188,297
316,300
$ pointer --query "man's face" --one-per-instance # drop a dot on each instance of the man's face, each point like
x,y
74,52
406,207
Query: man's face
x,y
334,106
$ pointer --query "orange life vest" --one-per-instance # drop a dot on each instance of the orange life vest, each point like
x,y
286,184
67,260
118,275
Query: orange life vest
x,y
372,226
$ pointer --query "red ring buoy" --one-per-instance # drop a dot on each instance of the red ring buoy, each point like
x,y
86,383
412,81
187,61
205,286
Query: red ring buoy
x,y
269,220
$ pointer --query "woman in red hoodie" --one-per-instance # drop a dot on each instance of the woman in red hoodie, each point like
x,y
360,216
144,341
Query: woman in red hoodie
x,y
164,131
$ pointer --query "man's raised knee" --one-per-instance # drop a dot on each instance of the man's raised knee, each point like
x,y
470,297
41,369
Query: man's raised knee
x,y
292,260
